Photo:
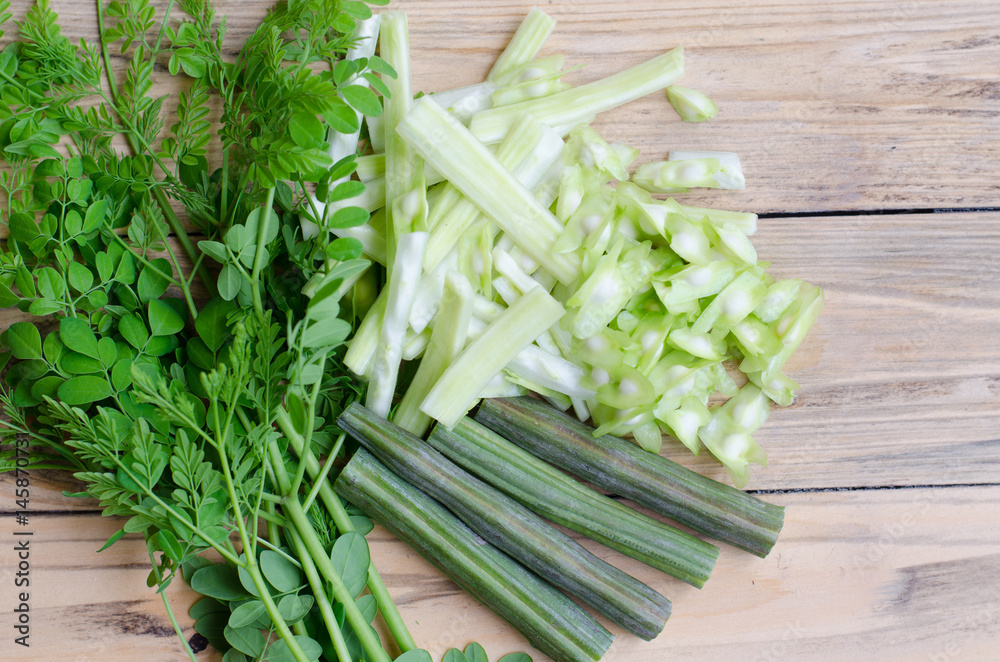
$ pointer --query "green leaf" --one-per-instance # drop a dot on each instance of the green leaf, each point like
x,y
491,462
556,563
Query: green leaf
x,y
50,283
218,581
133,330
25,283
345,190
239,237
362,100
121,375
306,130
271,229
151,284
362,525
108,351
515,657
77,335
163,319
81,278
249,640
167,541
22,227
279,571
351,558
474,652
53,348
279,651
215,250
74,167
380,66
118,535
212,626
356,9
293,608
162,345
7,297
24,340
200,355
22,395
193,65
344,248
75,363
230,281
248,613
96,213
192,565
415,655
105,267
203,606
326,332
246,581
212,323
368,607
233,655
454,655
125,273
46,387
42,307
84,390
73,222
377,84
40,150
341,117
349,217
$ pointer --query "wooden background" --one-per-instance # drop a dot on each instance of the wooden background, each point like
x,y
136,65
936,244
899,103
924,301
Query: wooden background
x,y
870,134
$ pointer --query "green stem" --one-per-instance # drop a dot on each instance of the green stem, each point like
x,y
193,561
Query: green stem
x,y
320,479
251,564
277,549
170,611
163,27
335,507
132,137
223,552
146,263
300,471
319,593
258,258
314,548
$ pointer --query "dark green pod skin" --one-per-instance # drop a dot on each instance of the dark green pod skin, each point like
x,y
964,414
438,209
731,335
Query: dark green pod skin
x,y
555,496
720,511
552,622
511,527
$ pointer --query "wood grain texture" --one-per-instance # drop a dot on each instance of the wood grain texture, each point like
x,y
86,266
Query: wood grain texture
x,y
901,373
834,107
831,106
879,575
872,104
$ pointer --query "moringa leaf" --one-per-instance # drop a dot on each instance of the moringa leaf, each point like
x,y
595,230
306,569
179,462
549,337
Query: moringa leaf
x,y
77,335
351,558
279,571
163,319
84,390
24,341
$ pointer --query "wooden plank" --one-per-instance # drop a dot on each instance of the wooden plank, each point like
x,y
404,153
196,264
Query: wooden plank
x,y
901,373
878,575
832,106
845,106
89,606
